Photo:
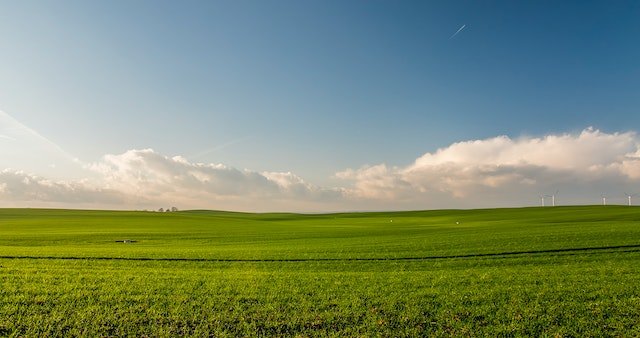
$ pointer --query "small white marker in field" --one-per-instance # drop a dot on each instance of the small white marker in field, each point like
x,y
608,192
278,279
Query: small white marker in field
x,y
457,222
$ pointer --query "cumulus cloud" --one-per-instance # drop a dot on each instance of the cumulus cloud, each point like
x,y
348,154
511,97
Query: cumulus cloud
x,y
17,186
573,152
493,172
175,179
504,170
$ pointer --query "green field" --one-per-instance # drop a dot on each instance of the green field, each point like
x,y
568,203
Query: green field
x,y
562,271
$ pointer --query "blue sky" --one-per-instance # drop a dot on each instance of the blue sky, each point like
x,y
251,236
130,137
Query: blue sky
x,y
313,87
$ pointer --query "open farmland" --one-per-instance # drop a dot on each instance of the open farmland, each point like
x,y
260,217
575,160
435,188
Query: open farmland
x,y
562,271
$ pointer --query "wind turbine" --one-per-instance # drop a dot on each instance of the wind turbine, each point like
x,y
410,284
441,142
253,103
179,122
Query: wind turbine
x,y
604,199
629,197
542,200
553,198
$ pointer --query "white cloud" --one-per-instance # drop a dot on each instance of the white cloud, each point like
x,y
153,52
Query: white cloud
x,y
6,137
176,180
493,172
504,171
573,152
22,189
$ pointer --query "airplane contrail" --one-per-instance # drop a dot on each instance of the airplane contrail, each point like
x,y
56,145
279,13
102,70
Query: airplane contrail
x,y
458,31
18,126
218,147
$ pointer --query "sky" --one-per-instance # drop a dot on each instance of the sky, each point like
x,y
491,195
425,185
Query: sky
x,y
314,106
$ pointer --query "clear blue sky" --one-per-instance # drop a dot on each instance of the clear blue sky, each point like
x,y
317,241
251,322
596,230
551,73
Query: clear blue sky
x,y
314,87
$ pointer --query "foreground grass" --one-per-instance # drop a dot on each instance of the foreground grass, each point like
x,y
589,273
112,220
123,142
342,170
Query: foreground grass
x,y
587,292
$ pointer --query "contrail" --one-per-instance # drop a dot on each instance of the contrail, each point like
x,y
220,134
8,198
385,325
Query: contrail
x,y
459,30
218,147
17,125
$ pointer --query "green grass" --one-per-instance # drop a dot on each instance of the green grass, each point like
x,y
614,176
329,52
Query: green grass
x,y
563,271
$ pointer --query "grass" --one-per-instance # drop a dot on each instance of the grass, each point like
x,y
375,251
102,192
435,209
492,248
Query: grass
x,y
563,271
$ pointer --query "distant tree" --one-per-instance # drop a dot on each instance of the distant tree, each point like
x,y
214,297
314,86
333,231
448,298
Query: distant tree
x,y
168,210
174,209
160,210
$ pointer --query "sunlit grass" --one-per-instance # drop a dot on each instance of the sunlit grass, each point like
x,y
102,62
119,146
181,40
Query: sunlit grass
x,y
313,284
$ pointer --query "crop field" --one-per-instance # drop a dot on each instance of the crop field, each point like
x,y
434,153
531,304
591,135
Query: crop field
x,y
561,271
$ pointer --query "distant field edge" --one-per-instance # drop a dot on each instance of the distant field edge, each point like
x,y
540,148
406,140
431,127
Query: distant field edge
x,y
563,251
320,213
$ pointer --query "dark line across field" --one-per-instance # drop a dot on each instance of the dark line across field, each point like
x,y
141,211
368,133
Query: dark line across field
x,y
567,251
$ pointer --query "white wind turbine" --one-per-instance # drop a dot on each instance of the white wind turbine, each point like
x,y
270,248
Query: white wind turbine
x,y
629,197
604,199
542,200
553,198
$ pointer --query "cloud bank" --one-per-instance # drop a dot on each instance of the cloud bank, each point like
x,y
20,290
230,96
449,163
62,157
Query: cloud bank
x,y
504,171
21,189
155,178
493,172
